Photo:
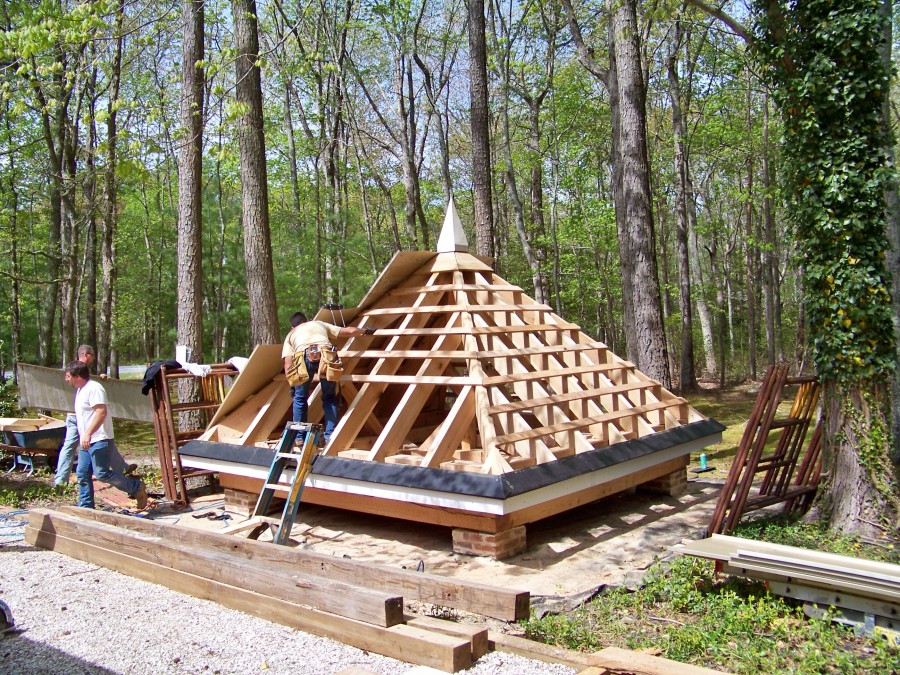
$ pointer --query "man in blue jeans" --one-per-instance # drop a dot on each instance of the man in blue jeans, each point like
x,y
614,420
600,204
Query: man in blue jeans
x,y
69,450
95,431
310,338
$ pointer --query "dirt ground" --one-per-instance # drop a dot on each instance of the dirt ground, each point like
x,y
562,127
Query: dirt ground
x,y
570,557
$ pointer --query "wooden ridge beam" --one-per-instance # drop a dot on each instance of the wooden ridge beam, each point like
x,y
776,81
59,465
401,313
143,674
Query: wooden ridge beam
x,y
336,597
413,645
500,603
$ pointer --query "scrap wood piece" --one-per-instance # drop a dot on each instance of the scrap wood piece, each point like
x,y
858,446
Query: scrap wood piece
x,y
609,661
500,603
336,597
420,647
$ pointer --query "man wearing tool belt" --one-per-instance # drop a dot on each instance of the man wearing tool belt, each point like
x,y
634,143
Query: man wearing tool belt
x,y
303,348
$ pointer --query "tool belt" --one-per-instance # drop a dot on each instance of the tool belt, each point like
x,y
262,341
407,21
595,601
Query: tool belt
x,y
330,365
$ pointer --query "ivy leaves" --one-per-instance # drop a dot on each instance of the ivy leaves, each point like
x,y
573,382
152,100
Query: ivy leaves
x,y
821,56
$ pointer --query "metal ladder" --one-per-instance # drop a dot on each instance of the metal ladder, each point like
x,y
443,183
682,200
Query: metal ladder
x,y
297,450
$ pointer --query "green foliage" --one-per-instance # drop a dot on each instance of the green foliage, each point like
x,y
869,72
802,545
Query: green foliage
x,y
20,494
695,616
823,61
9,403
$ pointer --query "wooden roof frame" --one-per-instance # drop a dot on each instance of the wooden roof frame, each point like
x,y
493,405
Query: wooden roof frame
x,y
468,375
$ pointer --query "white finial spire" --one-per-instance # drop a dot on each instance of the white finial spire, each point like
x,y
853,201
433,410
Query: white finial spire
x,y
452,238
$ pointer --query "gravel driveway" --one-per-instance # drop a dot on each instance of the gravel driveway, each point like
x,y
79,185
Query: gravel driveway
x,y
75,617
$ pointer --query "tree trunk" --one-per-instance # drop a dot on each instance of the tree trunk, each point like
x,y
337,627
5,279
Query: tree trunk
x,y
774,352
750,274
106,361
254,181
481,145
648,333
855,495
13,195
687,380
408,146
699,288
190,177
626,255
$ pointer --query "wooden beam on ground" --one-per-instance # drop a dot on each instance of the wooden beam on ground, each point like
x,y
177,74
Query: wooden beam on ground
x,y
477,635
354,602
413,646
500,603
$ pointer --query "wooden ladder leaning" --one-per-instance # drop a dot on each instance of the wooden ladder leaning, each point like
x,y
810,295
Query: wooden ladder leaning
x,y
296,452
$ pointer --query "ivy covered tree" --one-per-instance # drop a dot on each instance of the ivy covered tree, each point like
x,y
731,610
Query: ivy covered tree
x,y
822,58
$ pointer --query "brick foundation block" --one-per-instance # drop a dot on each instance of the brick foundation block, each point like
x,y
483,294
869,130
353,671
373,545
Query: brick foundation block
x,y
240,502
672,484
498,546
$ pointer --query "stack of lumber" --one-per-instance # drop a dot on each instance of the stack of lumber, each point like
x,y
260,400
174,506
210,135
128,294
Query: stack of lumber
x,y
356,603
866,587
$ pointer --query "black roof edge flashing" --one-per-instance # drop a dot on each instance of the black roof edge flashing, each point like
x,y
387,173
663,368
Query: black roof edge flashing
x,y
461,482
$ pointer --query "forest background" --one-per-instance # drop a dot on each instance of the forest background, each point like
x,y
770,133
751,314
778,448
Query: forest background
x,y
366,109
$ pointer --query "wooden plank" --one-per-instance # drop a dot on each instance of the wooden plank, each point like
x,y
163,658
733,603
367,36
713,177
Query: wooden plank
x,y
435,380
477,635
581,423
571,396
488,288
408,354
460,307
480,330
558,372
360,408
500,603
354,602
410,405
420,647
448,436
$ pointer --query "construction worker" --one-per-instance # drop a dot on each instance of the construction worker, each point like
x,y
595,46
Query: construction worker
x,y
302,353
95,432
69,450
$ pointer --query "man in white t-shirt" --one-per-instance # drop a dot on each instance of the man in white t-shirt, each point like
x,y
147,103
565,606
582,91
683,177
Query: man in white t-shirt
x,y
317,334
95,431
69,450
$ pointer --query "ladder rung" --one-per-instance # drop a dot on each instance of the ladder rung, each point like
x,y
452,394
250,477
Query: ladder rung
x,y
277,486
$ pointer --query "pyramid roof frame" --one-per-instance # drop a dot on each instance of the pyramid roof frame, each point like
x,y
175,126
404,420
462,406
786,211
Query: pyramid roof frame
x,y
469,388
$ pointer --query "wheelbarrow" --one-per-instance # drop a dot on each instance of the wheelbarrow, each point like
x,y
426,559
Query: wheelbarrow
x,y
25,438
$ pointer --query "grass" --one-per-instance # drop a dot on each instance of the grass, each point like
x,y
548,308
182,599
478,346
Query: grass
x,y
688,613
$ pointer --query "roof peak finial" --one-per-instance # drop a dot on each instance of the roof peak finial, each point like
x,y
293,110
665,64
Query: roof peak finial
x,y
452,238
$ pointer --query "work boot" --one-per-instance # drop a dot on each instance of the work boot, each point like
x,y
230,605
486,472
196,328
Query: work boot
x,y
130,469
140,497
